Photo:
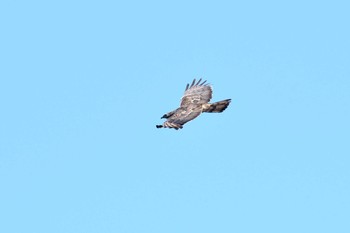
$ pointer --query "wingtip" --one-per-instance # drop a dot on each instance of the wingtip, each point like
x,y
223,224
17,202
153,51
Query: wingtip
x,y
200,82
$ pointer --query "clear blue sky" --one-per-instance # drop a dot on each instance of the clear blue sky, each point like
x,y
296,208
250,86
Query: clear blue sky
x,y
83,84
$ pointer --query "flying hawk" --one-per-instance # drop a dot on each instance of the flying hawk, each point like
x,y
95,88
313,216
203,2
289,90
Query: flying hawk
x,y
195,101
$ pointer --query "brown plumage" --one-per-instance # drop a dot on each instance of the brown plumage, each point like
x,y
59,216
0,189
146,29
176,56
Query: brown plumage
x,y
195,101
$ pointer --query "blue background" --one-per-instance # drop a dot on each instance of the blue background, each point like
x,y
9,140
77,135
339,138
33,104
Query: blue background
x,y
83,84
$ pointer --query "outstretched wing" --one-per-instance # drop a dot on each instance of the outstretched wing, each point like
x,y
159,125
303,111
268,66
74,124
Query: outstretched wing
x,y
197,94
183,115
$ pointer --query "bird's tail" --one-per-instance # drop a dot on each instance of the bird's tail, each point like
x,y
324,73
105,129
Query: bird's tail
x,y
217,106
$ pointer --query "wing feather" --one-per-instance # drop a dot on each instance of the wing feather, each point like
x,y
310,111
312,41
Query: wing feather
x,y
194,80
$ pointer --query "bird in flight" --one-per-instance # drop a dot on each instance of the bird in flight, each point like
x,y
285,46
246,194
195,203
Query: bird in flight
x,y
194,101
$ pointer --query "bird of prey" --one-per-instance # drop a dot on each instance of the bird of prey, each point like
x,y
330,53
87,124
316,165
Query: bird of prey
x,y
195,101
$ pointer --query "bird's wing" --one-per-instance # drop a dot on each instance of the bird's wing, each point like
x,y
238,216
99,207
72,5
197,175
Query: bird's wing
x,y
184,115
197,93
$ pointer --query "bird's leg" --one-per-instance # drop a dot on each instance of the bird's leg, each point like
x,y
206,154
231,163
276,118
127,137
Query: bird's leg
x,y
159,126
